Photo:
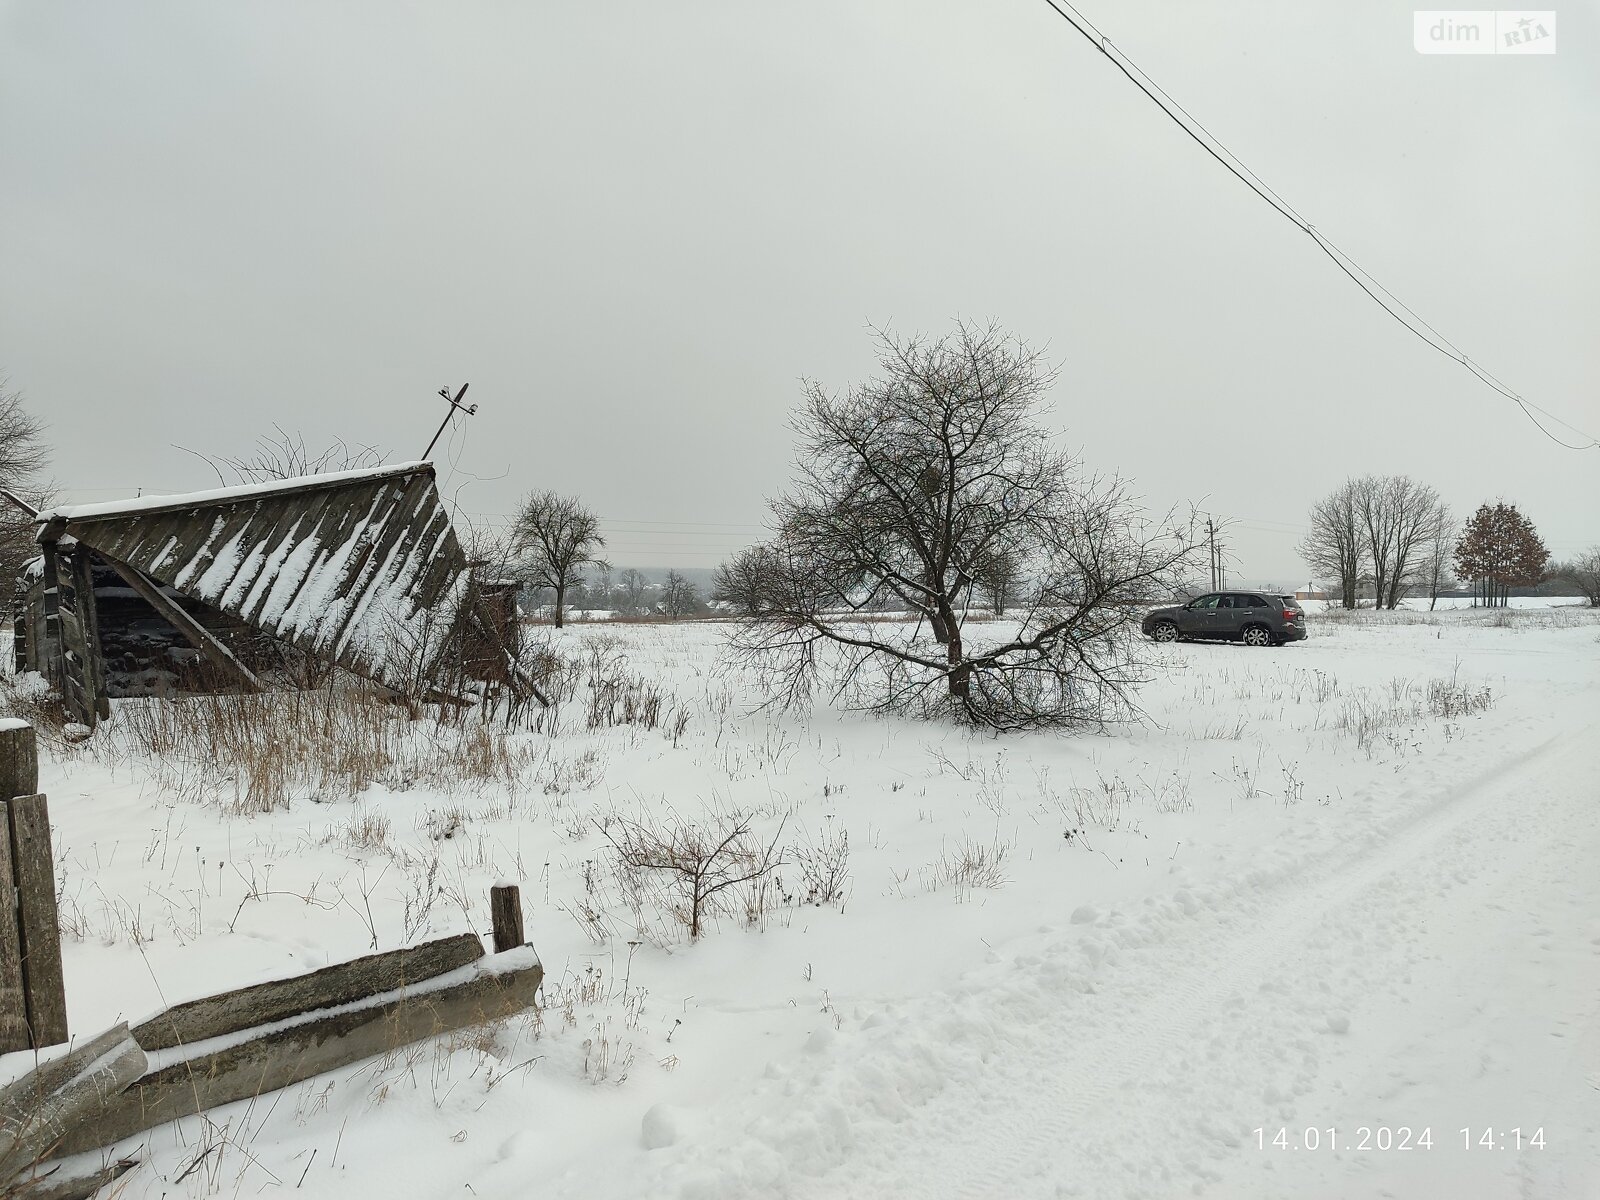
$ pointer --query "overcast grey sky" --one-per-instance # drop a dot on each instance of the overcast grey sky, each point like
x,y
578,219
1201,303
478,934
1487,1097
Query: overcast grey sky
x,y
633,226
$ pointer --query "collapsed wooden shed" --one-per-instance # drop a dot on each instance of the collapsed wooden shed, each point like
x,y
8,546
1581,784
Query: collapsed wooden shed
x,y
358,569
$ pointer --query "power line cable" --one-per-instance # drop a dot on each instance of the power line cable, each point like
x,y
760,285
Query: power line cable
x,y
1358,274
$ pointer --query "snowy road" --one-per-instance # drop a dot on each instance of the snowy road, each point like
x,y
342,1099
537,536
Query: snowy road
x,y
1442,974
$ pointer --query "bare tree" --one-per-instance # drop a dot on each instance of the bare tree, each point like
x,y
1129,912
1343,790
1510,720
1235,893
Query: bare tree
x,y
554,536
904,486
1584,573
680,597
998,575
1379,516
633,585
740,581
24,455
285,455
1414,515
1437,555
1335,547
703,860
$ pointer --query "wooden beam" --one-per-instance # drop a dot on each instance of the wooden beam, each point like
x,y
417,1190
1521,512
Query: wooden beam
x,y
289,1052
34,868
199,636
342,983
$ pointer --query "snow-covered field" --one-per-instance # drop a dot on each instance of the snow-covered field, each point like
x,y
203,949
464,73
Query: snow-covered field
x,y
1342,886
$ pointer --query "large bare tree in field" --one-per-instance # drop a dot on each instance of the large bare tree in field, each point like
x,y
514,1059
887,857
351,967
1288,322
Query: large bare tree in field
x,y
553,537
24,455
904,488
1336,545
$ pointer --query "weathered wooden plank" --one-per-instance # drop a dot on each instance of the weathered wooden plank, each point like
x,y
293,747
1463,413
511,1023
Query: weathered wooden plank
x,y
43,1107
71,625
198,635
34,868
13,1003
93,666
505,912
19,758
342,983
291,1053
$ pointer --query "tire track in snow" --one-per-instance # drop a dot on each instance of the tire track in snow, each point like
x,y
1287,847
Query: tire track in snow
x,y
1127,1056
1265,932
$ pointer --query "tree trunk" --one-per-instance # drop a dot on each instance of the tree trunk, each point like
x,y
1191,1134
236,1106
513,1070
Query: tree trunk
x,y
961,672
561,602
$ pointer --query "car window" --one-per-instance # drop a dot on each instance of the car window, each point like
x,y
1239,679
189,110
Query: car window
x,y
1289,602
1224,601
1205,602
1258,602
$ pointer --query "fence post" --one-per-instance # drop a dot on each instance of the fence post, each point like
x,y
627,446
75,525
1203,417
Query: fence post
x,y
505,910
32,990
18,767
19,759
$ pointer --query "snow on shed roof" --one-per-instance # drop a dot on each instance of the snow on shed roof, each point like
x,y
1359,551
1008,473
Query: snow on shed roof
x,y
224,495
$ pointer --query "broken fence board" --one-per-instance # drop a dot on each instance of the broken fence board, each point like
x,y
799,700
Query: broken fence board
x,y
49,1184
289,1054
342,983
34,869
52,1073
39,1116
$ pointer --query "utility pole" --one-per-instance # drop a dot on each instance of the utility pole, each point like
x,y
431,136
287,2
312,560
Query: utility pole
x,y
455,406
1211,541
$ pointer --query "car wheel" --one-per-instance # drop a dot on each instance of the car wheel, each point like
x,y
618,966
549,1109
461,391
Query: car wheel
x,y
1256,635
1165,631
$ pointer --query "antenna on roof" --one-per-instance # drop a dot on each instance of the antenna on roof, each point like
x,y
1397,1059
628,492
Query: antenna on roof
x,y
455,406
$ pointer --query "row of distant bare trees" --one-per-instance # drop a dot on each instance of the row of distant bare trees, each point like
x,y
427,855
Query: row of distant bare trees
x,y
1399,537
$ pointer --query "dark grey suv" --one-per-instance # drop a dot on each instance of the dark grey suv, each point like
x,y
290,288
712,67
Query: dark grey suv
x,y
1254,618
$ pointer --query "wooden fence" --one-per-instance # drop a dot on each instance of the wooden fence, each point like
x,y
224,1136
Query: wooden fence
x,y
33,998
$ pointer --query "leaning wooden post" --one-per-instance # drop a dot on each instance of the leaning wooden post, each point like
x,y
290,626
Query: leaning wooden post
x,y
505,910
30,933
